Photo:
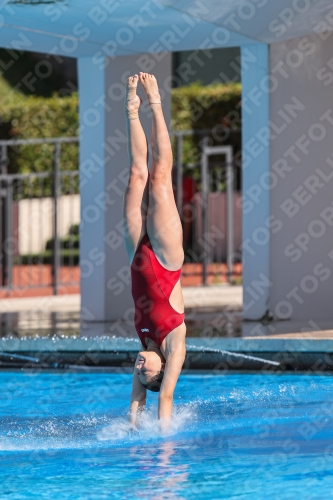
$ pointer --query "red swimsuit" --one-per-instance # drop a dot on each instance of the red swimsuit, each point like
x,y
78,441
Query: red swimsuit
x,y
152,285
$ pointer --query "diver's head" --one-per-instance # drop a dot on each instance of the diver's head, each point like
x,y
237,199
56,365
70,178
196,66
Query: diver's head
x,y
150,366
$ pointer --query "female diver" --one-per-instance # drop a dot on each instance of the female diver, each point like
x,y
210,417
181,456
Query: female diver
x,y
153,240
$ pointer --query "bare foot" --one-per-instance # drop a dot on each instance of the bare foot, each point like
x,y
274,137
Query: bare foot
x,y
150,87
132,100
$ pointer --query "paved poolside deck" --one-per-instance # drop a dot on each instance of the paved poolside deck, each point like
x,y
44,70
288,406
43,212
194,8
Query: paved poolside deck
x,y
194,296
49,327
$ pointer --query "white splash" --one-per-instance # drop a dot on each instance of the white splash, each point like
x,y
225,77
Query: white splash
x,y
120,428
89,431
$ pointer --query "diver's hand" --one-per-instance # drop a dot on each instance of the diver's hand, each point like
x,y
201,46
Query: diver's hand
x,y
133,429
165,426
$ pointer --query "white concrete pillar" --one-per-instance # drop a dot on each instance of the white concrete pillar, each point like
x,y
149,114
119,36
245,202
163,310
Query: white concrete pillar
x,y
104,167
255,157
92,182
301,112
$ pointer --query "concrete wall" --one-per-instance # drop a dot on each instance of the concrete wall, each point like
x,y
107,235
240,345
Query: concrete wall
x,y
301,180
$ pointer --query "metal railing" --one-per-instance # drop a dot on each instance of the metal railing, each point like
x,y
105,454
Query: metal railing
x,y
26,263
11,190
226,222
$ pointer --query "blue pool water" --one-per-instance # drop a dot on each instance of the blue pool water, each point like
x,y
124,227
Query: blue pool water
x,y
235,436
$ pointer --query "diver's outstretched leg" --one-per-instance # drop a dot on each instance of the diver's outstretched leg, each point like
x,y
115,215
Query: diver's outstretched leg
x,y
135,202
163,223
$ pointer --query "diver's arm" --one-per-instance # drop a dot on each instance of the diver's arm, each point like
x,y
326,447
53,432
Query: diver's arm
x,y
173,367
138,397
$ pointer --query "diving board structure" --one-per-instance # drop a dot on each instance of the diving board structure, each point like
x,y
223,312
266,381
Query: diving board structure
x,y
287,128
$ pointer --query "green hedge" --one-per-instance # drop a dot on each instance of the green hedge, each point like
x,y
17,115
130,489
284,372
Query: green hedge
x,y
72,240
67,258
193,107
198,107
212,107
67,243
38,117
